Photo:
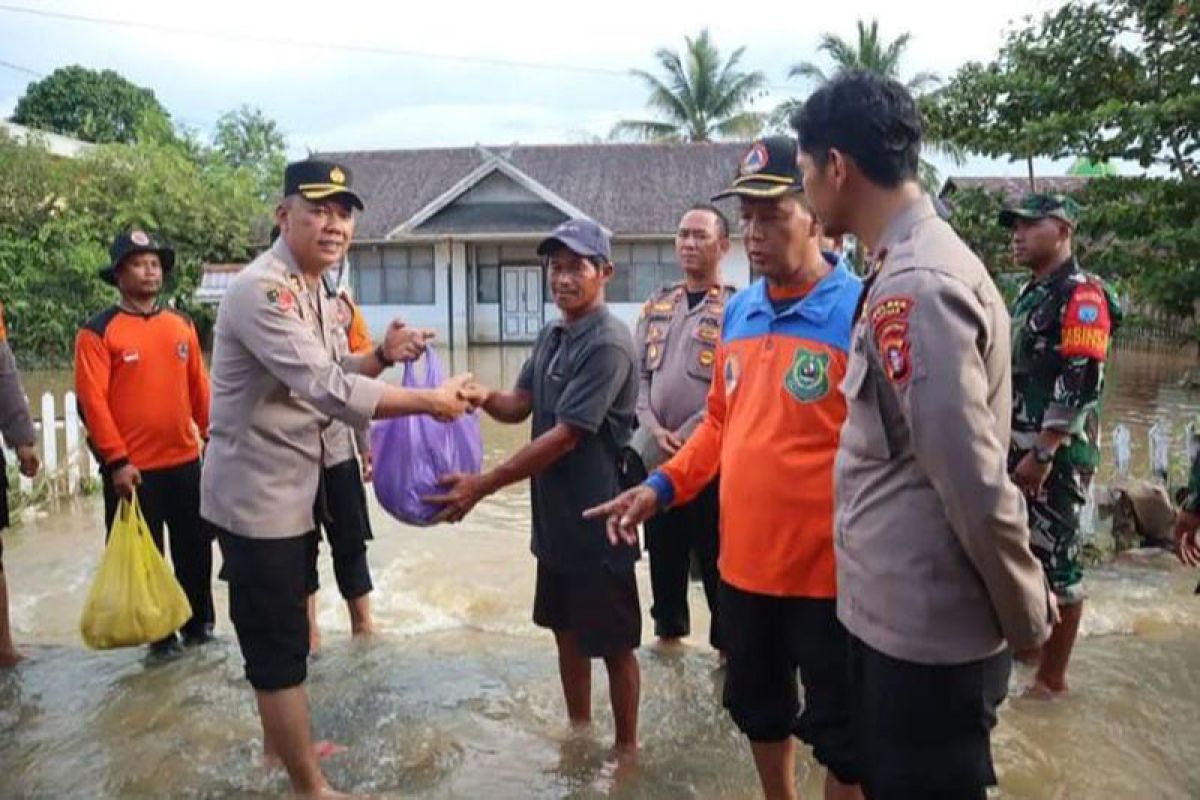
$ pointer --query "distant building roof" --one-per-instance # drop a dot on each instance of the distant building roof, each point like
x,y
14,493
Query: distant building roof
x,y
1014,188
630,189
56,143
214,280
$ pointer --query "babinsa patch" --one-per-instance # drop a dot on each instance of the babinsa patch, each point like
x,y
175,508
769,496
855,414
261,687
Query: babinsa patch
x,y
808,378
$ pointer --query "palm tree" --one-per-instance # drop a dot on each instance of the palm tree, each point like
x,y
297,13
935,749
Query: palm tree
x,y
873,54
698,98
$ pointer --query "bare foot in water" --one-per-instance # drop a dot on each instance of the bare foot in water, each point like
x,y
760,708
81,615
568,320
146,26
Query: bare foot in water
x,y
1040,691
10,658
322,750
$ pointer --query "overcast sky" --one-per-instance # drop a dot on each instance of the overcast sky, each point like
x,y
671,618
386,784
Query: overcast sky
x,y
436,74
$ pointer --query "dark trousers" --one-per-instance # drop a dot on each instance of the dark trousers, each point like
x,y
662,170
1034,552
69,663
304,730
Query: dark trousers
x,y
171,496
671,538
341,510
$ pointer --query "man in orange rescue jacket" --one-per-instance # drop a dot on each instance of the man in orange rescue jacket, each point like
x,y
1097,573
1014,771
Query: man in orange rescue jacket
x,y
771,429
144,396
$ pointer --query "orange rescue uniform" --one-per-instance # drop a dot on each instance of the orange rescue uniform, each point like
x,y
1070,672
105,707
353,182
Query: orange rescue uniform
x,y
142,387
771,429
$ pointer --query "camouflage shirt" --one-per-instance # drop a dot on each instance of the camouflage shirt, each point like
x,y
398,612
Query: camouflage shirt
x,y
1061,327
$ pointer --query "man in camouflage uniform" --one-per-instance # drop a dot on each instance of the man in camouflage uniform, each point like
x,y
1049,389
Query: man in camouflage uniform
x,y
1061,325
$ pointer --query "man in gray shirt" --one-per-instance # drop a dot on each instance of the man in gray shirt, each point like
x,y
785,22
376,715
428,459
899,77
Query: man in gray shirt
x,y
17,427
580,386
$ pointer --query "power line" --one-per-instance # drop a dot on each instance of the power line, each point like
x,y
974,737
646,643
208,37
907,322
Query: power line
x,y
348,47
19,68
344,47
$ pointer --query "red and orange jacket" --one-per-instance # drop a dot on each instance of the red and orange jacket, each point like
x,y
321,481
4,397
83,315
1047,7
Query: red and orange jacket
x,y
771,430
358,335
142,387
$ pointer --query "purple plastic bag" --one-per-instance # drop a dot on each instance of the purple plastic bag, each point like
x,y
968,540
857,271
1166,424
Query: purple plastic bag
x,y
410,453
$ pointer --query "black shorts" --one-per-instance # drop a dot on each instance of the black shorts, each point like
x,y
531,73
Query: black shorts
x,y
767,639
268,595
600,607
925,730
347,526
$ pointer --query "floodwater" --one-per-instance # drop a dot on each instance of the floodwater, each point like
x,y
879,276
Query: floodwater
x,y
459,697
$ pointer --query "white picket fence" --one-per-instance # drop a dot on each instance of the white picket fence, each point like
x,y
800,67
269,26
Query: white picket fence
x,y
66,459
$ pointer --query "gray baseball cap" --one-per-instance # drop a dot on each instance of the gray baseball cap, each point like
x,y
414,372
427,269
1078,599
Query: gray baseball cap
x,y
583,237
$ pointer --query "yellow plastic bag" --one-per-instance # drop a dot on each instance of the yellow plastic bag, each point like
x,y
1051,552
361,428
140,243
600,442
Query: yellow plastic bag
x,y
135,598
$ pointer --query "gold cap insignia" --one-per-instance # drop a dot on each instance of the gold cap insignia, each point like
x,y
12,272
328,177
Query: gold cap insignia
x,y
336,175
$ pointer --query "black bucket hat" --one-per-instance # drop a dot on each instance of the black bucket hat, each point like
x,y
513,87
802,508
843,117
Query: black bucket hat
x,y
128,243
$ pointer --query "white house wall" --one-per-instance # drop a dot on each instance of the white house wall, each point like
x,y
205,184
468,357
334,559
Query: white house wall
x,y
482,323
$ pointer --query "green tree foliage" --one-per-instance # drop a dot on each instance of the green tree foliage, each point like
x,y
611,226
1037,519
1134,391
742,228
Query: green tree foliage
x,y
1109,79
699,97
1100,80
96,106
1138,233
247,139
58,217
1145,232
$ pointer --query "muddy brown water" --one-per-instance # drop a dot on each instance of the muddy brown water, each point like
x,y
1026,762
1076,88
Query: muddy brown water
x,y
459,697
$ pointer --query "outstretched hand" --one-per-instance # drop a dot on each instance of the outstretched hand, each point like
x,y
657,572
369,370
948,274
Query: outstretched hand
x,y
462,492
1187,547
449,400
625,512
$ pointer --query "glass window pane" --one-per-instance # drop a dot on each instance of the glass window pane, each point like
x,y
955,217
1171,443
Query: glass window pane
x,y
618,289
420,256
369,285
420,286
395,257
645,254
487,254
488,289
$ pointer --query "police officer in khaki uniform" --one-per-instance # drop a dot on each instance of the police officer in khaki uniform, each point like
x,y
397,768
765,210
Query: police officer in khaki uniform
x,y
276,386
17,427
936,579
677,336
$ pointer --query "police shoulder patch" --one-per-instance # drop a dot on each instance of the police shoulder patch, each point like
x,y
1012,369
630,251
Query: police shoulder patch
x,y
1086,324
889,323
281,297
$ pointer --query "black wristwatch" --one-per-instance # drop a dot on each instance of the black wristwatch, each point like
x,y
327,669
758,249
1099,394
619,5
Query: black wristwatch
x,y
381,357
1043,455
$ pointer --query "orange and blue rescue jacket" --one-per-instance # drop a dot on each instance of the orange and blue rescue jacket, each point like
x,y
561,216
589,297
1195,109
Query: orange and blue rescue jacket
x,y
771,430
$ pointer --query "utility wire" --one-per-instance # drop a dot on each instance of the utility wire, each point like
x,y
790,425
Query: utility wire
x,y
344,47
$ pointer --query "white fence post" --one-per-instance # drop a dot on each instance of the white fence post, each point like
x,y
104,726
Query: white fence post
x,y
71,437
1160,451
49,435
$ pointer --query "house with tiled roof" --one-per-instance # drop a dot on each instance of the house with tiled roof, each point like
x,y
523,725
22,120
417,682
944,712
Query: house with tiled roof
x,y
448,237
